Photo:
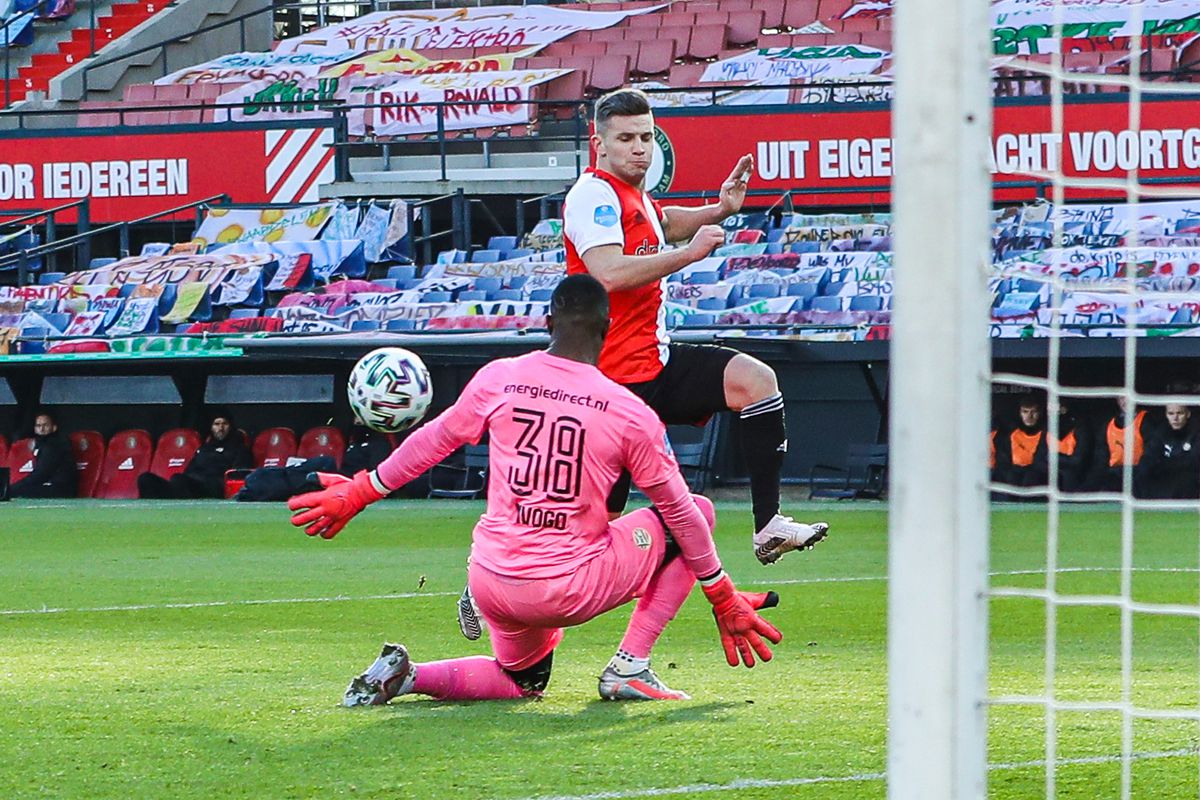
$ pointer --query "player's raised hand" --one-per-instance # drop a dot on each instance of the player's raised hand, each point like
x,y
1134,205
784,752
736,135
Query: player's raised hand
x,y
733,190
327,511
707,239
742,629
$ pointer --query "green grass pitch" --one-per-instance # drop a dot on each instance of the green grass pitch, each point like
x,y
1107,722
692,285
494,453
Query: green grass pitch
x,y
199,650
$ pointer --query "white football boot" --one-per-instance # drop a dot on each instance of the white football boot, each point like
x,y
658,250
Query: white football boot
x,y
390,676
470,621
645,685
783,535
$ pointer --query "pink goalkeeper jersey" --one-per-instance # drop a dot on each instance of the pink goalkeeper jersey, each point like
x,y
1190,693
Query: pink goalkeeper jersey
x,y
560,433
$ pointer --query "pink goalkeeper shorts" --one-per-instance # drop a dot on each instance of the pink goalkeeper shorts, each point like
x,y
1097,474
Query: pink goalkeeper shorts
x,y
526,616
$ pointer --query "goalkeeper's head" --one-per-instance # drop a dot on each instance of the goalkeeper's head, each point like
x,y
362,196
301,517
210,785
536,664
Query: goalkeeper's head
x,y
578,319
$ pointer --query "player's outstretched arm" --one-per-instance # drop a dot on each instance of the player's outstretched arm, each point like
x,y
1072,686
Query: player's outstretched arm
x,y
323,513
682,222
618,272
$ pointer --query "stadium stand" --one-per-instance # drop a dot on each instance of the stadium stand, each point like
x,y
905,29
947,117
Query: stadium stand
x,y
88,449
20,458
128,455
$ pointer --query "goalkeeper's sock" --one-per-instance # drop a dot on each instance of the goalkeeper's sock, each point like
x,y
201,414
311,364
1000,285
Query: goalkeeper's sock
x,y
626,663
664,595
764,443
472,678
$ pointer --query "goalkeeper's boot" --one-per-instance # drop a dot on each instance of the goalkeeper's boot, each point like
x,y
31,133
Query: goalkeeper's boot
x,y
783,535
390,676
470,621
644,685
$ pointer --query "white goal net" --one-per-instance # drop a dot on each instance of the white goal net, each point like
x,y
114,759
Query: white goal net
x,y
1048,646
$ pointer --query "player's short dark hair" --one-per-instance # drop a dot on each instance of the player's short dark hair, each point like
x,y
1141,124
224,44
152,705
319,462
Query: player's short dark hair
x,y
579,299
221,413
620,103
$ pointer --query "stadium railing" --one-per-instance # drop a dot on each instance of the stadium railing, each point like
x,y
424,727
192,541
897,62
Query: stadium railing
x,y
48,219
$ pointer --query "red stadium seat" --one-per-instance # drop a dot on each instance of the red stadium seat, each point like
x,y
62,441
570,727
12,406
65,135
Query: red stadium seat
x,y
744,27
273,447
748,236
641,35
138,92
3,451
686,75
799,13
128,456
772,12
323,441
655,58
567,89
707,41
174,452
681,35
20,459
609,72
834,9
88,450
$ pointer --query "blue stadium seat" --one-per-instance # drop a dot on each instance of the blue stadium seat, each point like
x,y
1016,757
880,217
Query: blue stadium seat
x,y
804,293
515,282
866,302
825,303
517,253
59,321
711,304
502,243
411,283
806,247
833,288
702,277
126,289
451,257
166,300
437,297
698,321
774,249
1028,285
47,278
155,249
508,295
96,263
184,327
404,272
541,295
1016,304
401,325
485,256
761,290
473,295
243,313
775,236
488,284
364,326
385,283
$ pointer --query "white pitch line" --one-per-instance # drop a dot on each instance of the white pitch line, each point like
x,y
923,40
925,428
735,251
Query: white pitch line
x,y
756,783
409,595
221,603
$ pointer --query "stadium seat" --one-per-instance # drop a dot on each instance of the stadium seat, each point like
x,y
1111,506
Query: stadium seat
x,y
763,290
508,294
748,236
47,278
437,297
707,42
402,272
401,325
519,252
502,243
541,295
744,27
174,452
243,313
866,302
3,451
87,447
702,277
472,296
610,72
515,282
699,321
128,455
364,325
826,303
323,441
20,459
273,447
655,58
488,284
96,263
468,477
803,291
485,256
711,304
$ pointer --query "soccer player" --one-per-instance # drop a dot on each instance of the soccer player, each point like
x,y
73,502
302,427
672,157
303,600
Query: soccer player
x,y
615,232
544,554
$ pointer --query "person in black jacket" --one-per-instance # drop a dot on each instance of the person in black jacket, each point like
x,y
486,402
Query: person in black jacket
x,y
53,473
1170,467
205,473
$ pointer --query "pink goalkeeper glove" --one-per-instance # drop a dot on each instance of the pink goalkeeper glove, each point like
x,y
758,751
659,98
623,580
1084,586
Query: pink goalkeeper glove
x,y
742,629
326,512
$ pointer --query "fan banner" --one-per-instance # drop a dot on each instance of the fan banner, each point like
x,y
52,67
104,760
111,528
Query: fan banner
x,y
455,28
239,225
246,67
783,65
231,277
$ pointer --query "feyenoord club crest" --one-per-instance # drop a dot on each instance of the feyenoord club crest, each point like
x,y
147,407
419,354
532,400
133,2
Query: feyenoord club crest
x,y
662,163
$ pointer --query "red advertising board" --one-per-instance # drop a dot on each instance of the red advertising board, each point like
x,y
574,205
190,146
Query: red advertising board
x,y
845,157
127,176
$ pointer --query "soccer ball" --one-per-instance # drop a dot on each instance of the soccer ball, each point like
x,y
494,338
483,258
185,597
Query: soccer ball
x,y
390,390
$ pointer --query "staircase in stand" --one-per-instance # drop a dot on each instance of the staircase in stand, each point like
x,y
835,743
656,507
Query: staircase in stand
x,y
121,18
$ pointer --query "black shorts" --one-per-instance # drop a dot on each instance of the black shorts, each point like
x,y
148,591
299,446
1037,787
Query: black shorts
x,y
691,387
689,390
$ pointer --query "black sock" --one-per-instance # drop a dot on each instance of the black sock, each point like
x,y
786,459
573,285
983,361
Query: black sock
x,y
764,443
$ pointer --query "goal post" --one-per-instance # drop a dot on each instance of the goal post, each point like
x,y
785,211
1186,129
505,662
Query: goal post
x,y
939,396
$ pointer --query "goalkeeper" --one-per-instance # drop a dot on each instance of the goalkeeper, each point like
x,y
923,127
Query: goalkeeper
x,y
544,554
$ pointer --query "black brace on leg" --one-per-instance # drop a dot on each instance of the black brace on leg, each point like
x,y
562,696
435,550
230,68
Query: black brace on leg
x,y
535,678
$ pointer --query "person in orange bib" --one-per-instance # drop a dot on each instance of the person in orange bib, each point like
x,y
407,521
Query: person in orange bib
x,y
1110,455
